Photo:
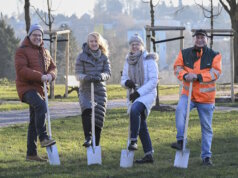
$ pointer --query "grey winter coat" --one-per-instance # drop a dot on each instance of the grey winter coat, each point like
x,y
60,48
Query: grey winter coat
x,y
87,64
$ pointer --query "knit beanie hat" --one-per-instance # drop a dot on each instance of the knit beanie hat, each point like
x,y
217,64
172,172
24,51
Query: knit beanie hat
x,y
35,27
136,38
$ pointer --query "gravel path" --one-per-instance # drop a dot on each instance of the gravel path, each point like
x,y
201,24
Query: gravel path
x,y
67,109
57,110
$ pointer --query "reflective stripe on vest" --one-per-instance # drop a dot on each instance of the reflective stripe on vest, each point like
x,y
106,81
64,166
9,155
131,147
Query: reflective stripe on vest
x,y
205,90
212,71
206,83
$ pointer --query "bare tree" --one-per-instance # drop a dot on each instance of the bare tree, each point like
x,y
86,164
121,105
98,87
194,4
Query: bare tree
x,y
231,7
152,16
209,13
27,15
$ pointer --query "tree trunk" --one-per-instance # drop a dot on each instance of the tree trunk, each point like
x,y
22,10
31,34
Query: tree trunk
x,y
234,22
152,13
27,15
212,17
52,84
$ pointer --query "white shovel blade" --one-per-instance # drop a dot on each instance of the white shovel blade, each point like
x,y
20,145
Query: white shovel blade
x,y
181,158
94,156
127,158
53,155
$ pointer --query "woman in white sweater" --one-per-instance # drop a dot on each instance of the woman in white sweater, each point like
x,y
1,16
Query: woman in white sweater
x,y
140,77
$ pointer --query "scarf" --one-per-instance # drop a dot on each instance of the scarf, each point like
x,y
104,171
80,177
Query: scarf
x,y
136,68
96,54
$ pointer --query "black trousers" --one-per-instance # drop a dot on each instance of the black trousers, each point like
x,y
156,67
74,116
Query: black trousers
x,y
87,126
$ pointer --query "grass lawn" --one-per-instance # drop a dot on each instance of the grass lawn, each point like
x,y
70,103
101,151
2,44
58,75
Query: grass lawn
x,y
69,136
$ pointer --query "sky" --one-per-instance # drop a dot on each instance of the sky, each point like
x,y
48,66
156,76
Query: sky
x,y
66,7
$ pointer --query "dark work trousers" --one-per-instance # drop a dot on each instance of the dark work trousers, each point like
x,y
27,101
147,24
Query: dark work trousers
x,y
87,126
37,125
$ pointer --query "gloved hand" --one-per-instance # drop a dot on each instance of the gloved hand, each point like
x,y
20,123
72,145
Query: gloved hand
x,y
130,84
49,77
88,78
134,96
44,78
190,77
96,78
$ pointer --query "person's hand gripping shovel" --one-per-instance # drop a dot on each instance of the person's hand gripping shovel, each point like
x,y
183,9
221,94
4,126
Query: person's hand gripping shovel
x,y
182,156
93,152
52,151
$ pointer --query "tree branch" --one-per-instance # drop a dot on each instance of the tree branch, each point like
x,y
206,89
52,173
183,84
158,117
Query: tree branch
x,y
43,20
202,7
225,6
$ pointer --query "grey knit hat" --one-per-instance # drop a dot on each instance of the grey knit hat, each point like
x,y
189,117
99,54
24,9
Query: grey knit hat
x,y
136,38
35,27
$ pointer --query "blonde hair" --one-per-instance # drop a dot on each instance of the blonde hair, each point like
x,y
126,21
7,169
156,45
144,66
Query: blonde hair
x,y
103,45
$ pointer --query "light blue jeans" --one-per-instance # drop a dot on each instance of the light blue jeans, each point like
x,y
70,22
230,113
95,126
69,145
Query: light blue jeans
x,y
205,112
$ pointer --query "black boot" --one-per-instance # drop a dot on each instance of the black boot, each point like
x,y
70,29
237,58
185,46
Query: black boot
x,y
87,142
177,145
146,159
207,161
86,121
133,146
98,131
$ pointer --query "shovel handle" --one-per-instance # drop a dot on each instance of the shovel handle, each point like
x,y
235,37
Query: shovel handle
x,y
187,115
47,108
93,114
128,112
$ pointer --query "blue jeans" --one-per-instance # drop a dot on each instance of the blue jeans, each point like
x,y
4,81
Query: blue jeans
x,y
139,126
37,125
205,112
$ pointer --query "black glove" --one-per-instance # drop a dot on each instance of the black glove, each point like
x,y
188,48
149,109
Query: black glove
x,y
96,78
130,84
134,96
88,78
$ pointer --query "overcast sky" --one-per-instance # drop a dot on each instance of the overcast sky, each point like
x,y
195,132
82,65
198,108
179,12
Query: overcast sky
x,y
66,7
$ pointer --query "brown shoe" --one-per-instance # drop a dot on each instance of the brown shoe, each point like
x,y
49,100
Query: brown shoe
x,y
47,142
35,158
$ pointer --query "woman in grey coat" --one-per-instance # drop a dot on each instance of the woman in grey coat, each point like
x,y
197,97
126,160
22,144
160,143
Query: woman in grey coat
x,y
92,65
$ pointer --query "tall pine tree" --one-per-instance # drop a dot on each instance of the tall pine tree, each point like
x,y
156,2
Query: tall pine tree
x,y
8,45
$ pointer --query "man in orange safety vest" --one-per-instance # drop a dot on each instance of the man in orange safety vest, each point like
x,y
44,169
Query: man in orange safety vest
x,y
202,66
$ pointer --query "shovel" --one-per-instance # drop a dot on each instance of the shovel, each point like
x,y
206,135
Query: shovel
x,y
127,157
182,156
93,152
51,150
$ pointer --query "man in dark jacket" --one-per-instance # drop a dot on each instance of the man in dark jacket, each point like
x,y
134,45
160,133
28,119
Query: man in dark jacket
x,y
34,66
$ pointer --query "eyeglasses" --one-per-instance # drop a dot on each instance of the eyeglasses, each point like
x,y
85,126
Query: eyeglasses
x,y
135,44
36,35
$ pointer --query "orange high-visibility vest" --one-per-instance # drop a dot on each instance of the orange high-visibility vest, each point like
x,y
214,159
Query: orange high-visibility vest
x,y
206,63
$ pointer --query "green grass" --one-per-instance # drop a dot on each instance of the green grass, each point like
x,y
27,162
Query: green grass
x,y
115,91
69,136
